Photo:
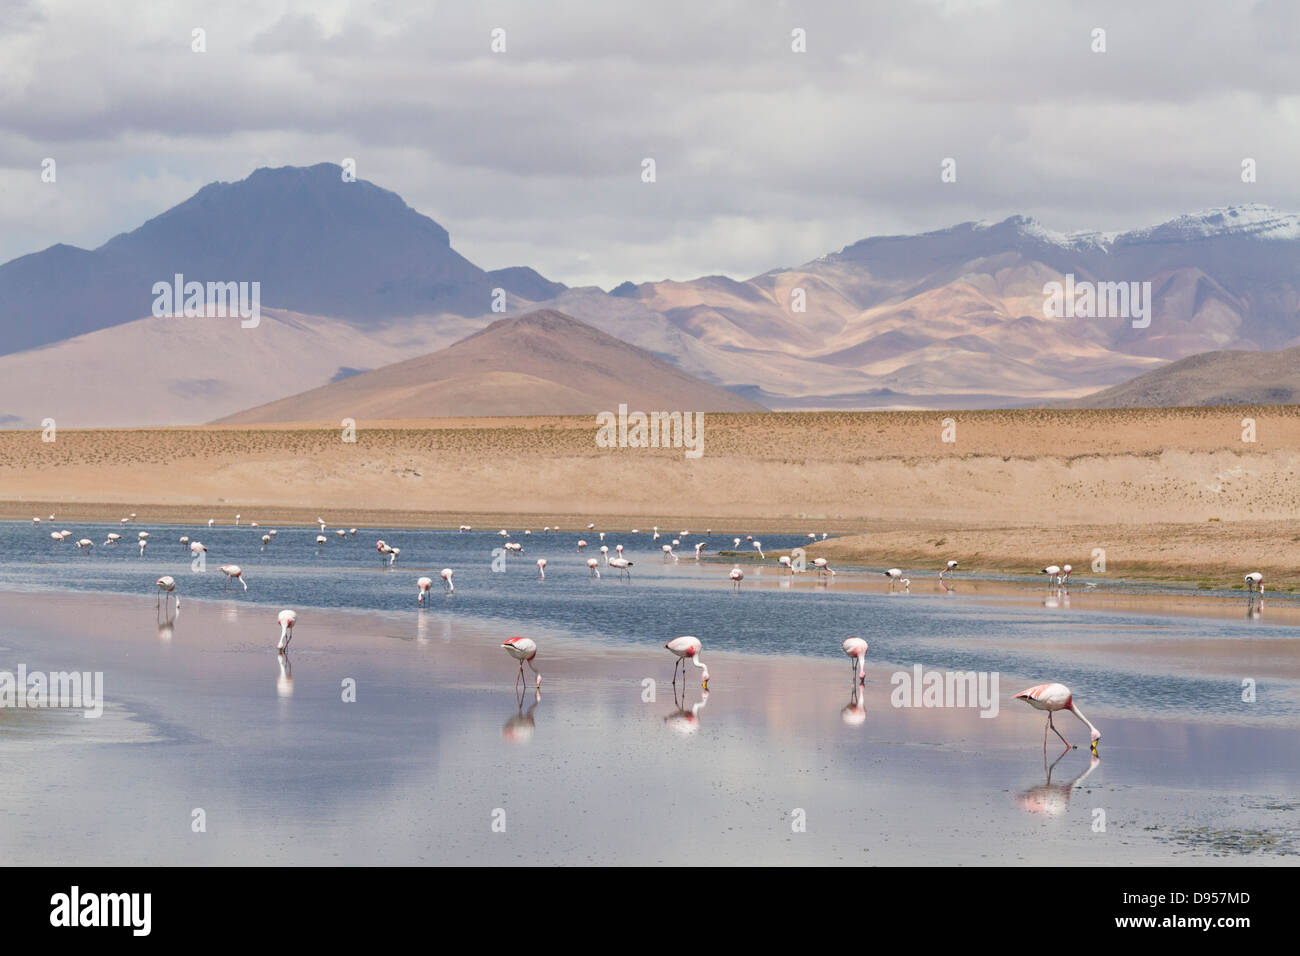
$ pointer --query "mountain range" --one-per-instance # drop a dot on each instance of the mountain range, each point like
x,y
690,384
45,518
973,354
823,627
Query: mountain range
x,y
352,279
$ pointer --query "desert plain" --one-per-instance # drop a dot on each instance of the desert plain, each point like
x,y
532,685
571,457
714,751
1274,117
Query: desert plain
x,y
1177,493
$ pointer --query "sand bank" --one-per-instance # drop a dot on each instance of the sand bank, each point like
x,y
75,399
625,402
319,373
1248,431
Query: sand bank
x,y
1166,492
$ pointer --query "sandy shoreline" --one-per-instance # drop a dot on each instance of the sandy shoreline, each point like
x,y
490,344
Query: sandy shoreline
x,y
1214,555
435,745
1169,494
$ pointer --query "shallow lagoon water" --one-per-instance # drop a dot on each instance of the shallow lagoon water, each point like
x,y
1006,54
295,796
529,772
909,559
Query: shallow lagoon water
x,y
1024,630
202,714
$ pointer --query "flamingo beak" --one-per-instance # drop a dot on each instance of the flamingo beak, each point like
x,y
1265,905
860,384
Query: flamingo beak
x,y
705,685
1094,748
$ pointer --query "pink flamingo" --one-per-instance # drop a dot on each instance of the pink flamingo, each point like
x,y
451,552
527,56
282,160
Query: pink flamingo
x,y
446,574
687,648
523,649
167,586
423,586
233,572
541,568
287,620
1053,698
594,566
856,648
736,576
952,566
1255,582
622,565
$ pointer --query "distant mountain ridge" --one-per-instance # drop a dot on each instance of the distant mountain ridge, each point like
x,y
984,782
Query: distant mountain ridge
x,y
948,318
317,244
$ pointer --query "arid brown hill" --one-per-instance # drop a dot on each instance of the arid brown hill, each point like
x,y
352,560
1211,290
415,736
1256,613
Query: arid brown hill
x,y
1211,378
542,363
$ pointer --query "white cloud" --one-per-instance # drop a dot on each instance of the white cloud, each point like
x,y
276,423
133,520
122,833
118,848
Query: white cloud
x,y
765,157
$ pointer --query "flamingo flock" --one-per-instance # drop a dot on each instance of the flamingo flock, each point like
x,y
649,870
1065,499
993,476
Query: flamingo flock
x,y
1051,698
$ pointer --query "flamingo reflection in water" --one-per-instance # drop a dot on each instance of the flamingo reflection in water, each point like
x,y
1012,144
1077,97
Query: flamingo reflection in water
x,y
284,681
1053,798
520,727
854,713
685,720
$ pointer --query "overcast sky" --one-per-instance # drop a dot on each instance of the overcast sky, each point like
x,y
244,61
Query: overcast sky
x,y
765,157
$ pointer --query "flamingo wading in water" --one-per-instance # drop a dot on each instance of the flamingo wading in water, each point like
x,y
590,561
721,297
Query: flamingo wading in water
x,y
856,648
1053,698
234,572
167,586
522,649
423,586
287,620
687,648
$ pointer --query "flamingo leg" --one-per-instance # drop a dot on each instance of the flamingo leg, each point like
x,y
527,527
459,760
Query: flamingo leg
x,y
1055,731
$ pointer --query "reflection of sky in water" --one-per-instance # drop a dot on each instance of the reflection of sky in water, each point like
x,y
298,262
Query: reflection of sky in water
x,y
437,740
667,598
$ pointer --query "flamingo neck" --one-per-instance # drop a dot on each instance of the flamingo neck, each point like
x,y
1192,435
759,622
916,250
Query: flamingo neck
x,y
1078,713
